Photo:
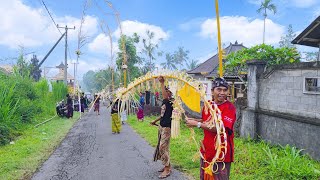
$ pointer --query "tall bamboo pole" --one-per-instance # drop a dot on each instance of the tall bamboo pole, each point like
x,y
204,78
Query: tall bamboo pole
x,y
124,63
219,40
111,51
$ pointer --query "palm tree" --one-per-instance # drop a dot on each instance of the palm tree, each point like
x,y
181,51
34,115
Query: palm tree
x,y
192,64
266,5
169,64
181,56
149,48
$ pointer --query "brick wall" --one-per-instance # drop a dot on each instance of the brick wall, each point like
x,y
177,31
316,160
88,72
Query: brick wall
x,y
278,111
282,91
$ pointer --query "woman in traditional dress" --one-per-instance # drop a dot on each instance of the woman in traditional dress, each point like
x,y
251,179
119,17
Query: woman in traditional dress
x,y
116,124
124,115
140,114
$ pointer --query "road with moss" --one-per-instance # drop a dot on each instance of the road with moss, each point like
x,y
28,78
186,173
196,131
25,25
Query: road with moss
x,y
91,151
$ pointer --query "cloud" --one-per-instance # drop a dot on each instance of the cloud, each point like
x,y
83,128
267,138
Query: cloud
x,y
89,27
244,30
101,43
192,24
131,27
31,27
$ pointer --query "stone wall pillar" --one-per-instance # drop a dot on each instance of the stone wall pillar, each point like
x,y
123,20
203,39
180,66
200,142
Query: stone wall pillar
x,y
249,116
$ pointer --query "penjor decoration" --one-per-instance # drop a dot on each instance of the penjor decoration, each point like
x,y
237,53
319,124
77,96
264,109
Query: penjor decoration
x,y
188,92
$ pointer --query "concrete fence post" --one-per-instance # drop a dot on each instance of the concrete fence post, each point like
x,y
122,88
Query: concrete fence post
x,y
249,116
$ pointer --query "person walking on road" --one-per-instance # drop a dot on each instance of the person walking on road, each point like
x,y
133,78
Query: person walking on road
x,y
162,151
116,124
97,104
140,114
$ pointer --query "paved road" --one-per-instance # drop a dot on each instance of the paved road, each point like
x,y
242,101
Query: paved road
x,y
91,152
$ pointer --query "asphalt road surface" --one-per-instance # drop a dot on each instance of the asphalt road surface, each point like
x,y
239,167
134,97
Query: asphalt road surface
x,y
91,152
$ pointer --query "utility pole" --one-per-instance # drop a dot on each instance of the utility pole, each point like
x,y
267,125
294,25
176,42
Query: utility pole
x,y
66,53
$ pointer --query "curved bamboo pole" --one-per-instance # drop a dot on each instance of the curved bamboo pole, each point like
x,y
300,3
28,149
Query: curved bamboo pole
x,y
125,94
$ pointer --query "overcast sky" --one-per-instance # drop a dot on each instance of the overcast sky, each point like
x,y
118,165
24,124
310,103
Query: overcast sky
x,y
190,24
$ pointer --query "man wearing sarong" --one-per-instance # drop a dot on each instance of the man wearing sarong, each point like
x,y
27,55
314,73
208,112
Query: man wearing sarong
x,y
97,104
116,124
82,102
208,150
162,151
69,106
140,114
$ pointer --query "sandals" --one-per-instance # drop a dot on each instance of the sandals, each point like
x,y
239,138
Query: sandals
x,y
162,176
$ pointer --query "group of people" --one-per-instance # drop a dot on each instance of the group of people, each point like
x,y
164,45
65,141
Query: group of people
x,y
84,103
208,149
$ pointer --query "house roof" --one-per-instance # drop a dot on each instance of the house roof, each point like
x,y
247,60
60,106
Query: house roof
x,y
209,68
6,69
61,66
60,76
310,36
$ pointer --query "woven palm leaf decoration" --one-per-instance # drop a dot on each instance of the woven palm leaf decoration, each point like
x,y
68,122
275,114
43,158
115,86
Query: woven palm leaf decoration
x,y
186,90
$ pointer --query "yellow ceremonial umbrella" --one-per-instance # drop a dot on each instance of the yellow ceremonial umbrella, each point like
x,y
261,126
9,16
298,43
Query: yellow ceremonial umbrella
x,y
190,97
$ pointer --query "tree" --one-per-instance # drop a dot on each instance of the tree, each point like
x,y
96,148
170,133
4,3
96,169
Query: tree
x,y
149,50
22,68
311,56
286,40
236,61
181,56
169,63
192,64
132,58
266,5
89,81
34,66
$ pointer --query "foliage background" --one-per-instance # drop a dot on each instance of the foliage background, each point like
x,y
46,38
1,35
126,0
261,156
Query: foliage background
x,y
24,103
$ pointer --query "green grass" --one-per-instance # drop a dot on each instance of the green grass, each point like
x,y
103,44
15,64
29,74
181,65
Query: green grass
x,y
253,159
21,159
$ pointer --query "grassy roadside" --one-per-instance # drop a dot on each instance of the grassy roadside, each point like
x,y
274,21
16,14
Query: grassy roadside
x,y
21,159
253,159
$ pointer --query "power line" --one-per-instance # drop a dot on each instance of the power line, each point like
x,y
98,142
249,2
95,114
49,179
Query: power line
x,y
55,24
